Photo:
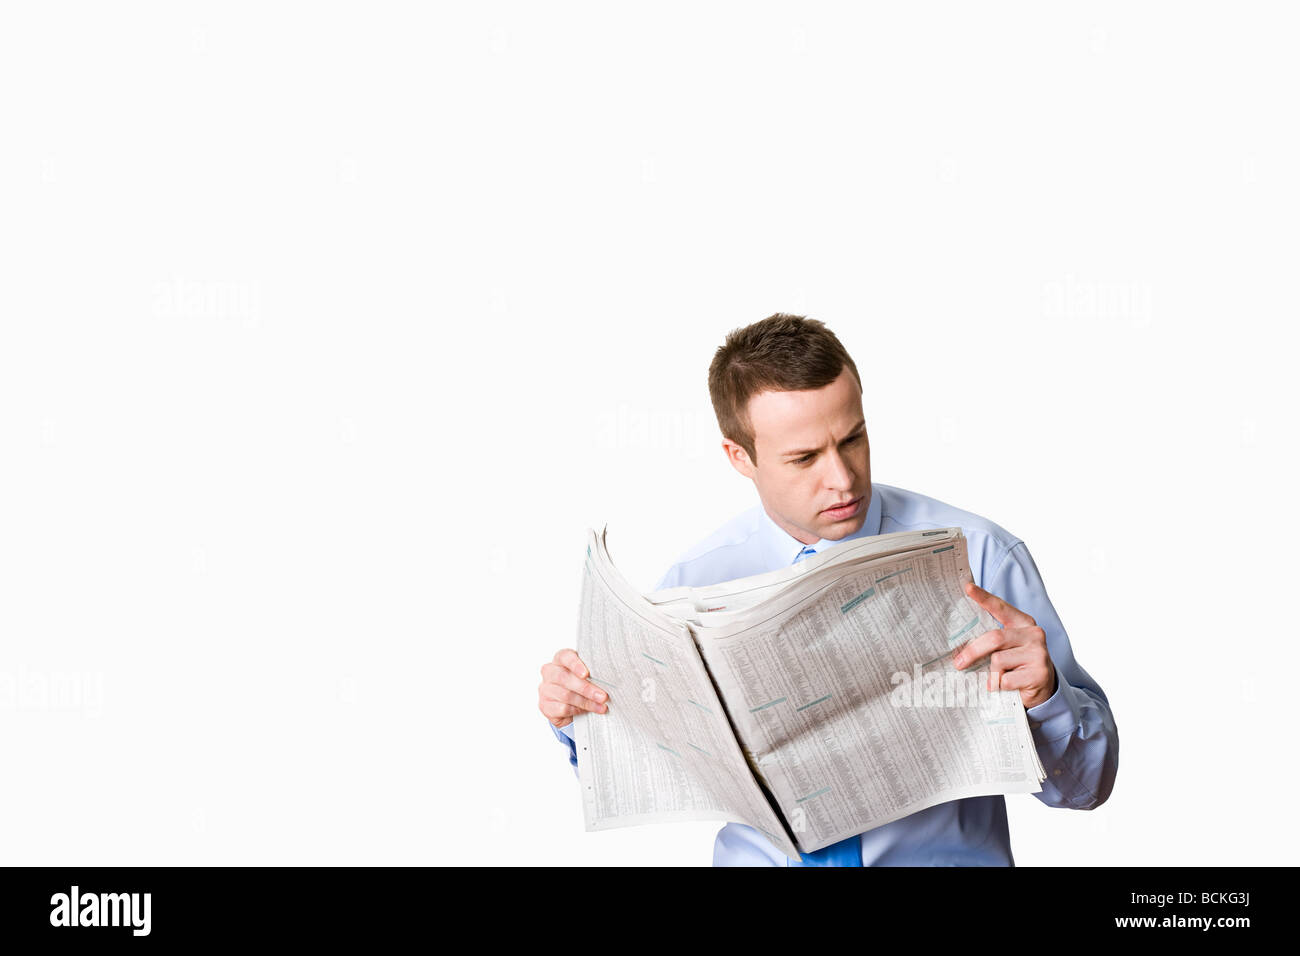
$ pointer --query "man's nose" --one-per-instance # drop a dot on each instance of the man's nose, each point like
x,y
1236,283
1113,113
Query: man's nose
x,y
839,476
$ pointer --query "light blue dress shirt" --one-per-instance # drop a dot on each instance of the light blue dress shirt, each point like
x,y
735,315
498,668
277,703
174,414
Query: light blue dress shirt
x,y
1074,730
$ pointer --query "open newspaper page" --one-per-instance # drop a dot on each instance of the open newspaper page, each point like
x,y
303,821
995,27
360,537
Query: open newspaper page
x,y
664,750
701,604
839,682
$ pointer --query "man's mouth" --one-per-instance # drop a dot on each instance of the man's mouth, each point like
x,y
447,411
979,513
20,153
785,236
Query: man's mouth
x,y
846,509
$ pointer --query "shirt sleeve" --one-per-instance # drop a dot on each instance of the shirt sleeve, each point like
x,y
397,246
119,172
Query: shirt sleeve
x,y
565,736
1074,730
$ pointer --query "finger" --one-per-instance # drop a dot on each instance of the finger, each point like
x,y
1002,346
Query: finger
x,y
554,674
1033,691
569,708
1004,613
562,682
980,647
995,680
569,658
578,702
557,713
1021,669
1009,658
1019,679
1031,635
1022,660
554,709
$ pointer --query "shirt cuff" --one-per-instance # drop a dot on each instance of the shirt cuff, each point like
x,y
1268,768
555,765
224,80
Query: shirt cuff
x,y
1055,717
563,734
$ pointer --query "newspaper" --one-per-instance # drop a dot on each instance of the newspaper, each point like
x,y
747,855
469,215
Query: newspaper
x,y
811,703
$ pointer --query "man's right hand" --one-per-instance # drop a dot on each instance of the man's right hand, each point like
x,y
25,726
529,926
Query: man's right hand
x,y
565,692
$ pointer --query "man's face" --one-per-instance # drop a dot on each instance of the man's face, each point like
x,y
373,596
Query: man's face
x,y
812,455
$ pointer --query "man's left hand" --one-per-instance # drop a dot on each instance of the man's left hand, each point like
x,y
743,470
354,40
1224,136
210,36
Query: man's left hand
x,y
1019,658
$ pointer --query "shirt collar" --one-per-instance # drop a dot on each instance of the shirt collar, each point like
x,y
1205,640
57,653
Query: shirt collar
x,y
781,548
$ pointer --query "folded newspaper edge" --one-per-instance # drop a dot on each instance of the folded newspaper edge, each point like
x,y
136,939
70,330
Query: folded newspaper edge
x,y
811,703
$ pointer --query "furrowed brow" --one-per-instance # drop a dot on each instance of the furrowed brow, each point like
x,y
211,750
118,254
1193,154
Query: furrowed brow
x,y
859,427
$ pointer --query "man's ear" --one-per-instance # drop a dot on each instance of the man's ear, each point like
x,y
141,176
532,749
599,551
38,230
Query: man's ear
x,y
738,457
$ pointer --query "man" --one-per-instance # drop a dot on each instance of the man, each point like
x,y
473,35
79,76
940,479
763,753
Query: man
x,y
789,403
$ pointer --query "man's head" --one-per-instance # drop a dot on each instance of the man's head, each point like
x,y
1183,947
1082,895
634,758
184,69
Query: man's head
x,y
789,402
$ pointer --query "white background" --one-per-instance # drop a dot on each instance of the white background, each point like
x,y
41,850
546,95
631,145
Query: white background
x,y
329,328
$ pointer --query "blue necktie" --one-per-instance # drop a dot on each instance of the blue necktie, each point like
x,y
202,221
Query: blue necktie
x,y
846,852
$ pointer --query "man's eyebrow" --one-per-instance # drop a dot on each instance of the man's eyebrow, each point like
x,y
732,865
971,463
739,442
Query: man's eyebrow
x,y
808,451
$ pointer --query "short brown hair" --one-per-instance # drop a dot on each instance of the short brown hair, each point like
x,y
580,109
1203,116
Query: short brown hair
x,y
784,353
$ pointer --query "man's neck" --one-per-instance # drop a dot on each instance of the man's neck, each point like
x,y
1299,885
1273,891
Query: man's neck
x,y
799,534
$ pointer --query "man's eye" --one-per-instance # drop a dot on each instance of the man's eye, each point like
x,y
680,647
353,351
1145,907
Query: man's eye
x,y
850,441
804,460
